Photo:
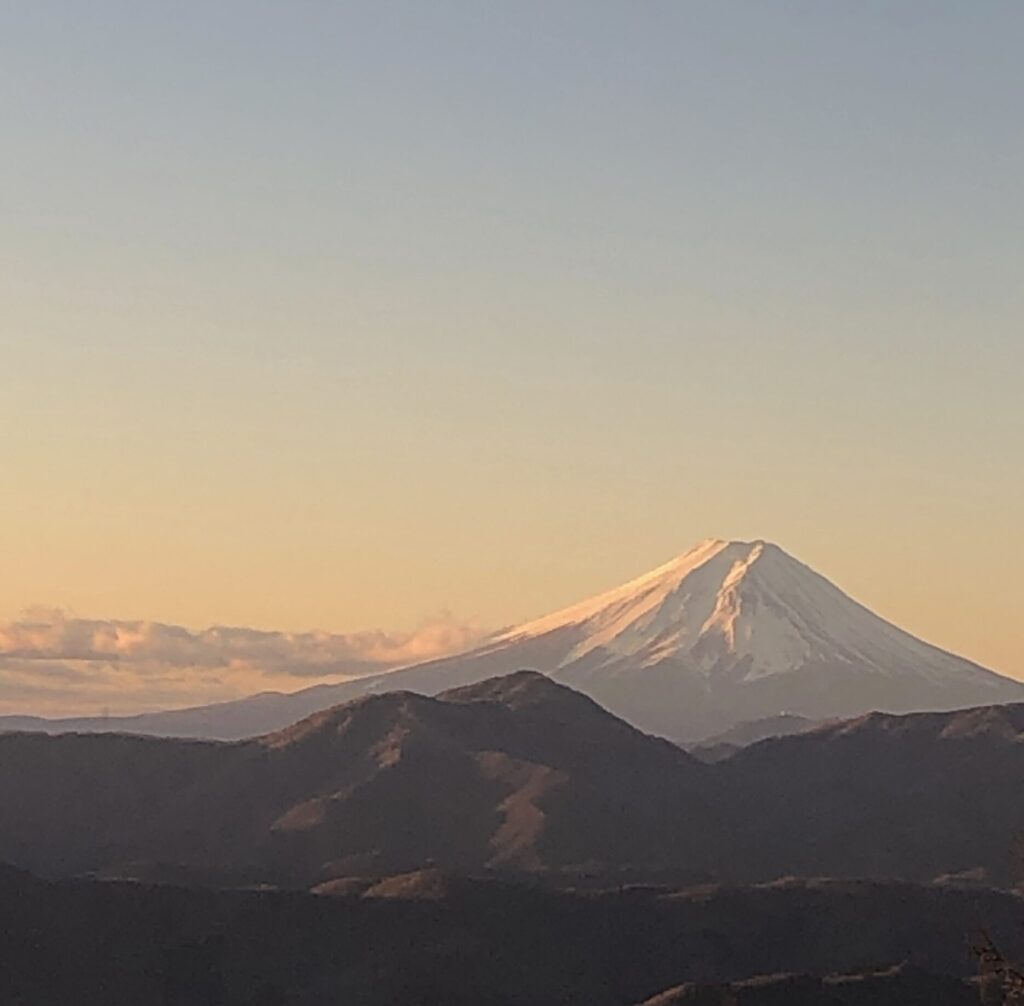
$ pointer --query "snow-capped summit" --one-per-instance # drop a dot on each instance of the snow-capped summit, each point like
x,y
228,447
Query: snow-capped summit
x,y
712,601
743,602
728,632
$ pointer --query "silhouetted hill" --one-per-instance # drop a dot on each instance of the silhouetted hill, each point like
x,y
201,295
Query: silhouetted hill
x,y
473,941
912,796
524,776
520,774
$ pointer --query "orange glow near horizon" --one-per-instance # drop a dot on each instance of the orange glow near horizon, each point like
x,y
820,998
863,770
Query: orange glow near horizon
x,y
309,338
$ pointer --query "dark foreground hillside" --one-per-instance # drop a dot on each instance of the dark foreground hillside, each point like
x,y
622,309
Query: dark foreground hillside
x,y
428,939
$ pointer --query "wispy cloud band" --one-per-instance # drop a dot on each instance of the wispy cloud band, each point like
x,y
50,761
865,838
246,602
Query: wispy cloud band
x,y
52,663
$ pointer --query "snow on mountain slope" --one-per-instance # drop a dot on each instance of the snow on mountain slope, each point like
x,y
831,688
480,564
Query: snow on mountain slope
x,y
726,633
748,602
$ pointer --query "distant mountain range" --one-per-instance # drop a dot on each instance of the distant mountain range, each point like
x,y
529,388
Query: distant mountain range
x,y
514,843
524,777
727,633
726,744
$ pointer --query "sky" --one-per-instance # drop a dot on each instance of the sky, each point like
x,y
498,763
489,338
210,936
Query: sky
x,y
384,315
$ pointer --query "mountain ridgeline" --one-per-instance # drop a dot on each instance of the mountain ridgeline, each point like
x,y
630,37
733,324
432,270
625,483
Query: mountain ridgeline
x,y
518,776
727,633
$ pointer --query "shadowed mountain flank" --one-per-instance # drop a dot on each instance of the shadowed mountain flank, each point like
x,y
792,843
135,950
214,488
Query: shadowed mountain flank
x,y
519,774
524,776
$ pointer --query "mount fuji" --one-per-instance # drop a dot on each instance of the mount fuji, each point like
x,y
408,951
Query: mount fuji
x,y
729,632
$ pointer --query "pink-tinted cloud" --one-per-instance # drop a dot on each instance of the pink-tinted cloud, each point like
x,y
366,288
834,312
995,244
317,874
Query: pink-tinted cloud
x,y
54,664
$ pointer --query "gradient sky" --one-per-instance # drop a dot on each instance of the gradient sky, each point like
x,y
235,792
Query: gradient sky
x,y
339,315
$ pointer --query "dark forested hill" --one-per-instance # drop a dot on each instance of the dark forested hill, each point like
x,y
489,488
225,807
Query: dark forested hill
x,y
523,776
518,774
431,939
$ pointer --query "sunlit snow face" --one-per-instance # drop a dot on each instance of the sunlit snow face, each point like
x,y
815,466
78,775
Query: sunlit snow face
x,y
735,602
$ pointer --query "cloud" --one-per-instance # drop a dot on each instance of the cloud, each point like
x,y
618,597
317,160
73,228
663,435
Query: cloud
x,y
52,663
